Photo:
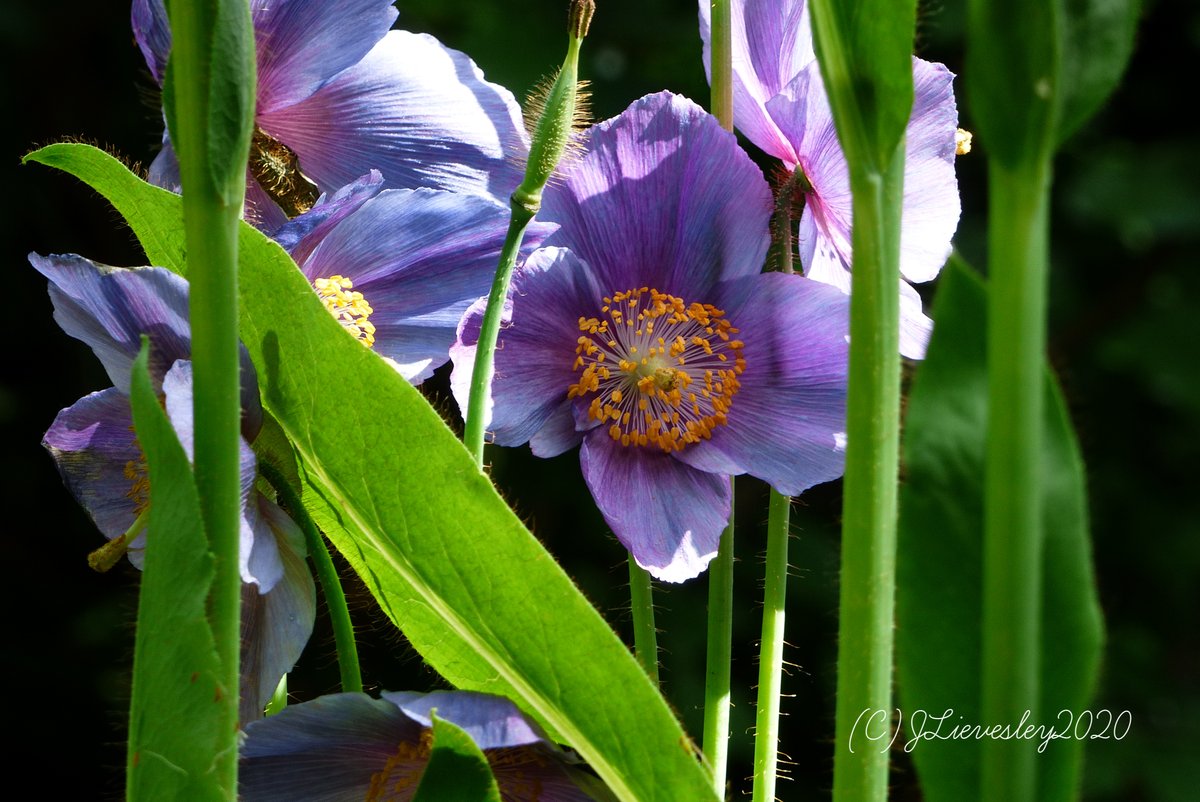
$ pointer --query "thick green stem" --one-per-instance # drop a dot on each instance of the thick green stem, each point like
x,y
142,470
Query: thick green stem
x,y
1017,242
770,659
720,653
721,69
645,636
481,376
868,578
327,575
210,96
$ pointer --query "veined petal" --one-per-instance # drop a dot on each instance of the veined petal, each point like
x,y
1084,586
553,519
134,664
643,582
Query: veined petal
x,y
787,422
93,444
663,197
326,749
535,353
420,258
300,236
164,170
668,514
153,35
915,327
419,112
302,44
277,624
110,308
772,43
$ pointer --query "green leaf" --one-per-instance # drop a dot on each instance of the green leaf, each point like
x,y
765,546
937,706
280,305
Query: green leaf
x,y
457,770
1012,76
940,572
176,718
475,593
1097,43
865,49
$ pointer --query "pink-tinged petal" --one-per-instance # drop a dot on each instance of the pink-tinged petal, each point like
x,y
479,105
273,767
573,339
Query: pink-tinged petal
x,y
93,444
302,44
277,624
787,421
326,749
300,236
931,201
258,557
668,514
664,197
419,112
420,258
772,43
535,353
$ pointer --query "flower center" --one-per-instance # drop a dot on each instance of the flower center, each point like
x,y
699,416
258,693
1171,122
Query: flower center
x,y
348,307
661,372
399,777
276,168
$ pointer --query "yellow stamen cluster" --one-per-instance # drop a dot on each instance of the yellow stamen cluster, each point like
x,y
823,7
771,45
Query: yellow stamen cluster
x,y
661,373
399,776
139,484
350,308
962,142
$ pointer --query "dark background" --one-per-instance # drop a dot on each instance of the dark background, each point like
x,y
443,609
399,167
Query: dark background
x,y
1125,298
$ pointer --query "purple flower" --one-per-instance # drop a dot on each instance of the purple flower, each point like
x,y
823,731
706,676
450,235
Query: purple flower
x,y
656,342
339,95
96,449
398,268
351,746
780,104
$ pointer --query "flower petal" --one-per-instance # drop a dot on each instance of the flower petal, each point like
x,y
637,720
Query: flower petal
x,y
915,327
493,722
668,514
772,43
326,749
787,422
420,258
153,35
300,236
109,308
258,557
302,44
93,444
536,351
663,197
277,624
415,110
931,200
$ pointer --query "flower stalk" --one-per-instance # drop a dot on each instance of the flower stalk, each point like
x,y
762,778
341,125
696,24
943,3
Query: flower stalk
x,y
645,636
210,108
720,573
551,137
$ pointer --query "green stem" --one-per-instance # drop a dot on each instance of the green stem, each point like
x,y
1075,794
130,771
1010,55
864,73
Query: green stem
x,y
327,575
721,69
489,331
770,659
868,580
720,655
211,118
1017,242
645,636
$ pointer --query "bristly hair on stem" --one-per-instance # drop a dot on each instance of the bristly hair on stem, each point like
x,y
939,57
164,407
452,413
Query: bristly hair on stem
x,y
535,106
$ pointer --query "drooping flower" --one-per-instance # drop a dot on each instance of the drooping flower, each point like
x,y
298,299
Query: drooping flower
x,y
656,342
781,105
398,267
96,449
340,94
351,746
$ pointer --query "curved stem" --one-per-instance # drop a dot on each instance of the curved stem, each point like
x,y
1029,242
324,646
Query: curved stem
x,y
645,636
331,584
489,332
